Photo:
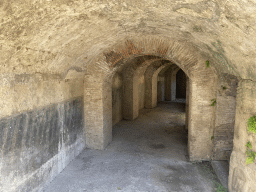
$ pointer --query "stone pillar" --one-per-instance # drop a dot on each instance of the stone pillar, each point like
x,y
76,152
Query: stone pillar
x,y
133,84
151,75
225,117
201,117
173,86
149,87
242,177
97,111
141,91
170,85
160,89
167,93
117,92
187,103
173,83
130,95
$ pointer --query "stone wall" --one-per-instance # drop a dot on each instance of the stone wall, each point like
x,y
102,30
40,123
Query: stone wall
x,y
41,127
187,102
225,117
202,90
242,177
170,83
37,145
26,91
151,81
160,88
141,92
117,97
40,41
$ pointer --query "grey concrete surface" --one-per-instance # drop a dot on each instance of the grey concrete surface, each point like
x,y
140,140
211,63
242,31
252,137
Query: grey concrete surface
x,y
148,154
221,169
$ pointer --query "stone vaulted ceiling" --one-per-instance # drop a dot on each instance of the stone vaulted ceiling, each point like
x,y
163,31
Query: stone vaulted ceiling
x,y
53,36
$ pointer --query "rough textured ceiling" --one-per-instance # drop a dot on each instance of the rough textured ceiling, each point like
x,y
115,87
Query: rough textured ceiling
x,y
52,36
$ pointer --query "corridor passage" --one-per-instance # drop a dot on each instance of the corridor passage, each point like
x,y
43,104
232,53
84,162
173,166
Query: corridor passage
x,y
148,154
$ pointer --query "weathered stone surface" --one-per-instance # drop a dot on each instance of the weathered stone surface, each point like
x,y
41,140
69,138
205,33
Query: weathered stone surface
x,y
225,117
35,33
46,48
239,180
31,140
245,108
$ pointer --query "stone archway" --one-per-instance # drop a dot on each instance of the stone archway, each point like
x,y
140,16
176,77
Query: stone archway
x,y
202,83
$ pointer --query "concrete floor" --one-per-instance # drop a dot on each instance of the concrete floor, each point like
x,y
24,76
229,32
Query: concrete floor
x,y
148,154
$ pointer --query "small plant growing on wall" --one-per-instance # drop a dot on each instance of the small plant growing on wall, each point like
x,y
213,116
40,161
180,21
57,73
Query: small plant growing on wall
x,y
207,63
250,154
213,102
251,124
224,88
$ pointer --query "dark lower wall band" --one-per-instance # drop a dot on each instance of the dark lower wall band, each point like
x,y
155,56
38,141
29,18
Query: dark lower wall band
x,y
34,140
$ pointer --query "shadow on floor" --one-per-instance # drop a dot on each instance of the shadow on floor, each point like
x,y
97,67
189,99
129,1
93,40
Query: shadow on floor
x,y
148,154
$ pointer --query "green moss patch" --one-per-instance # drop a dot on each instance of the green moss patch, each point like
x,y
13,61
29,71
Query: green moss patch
x,y
207,63
249,145
251,124
250,154
213,102
224,88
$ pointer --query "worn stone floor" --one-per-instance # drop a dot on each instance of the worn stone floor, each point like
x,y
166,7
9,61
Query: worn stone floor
x,y
148,154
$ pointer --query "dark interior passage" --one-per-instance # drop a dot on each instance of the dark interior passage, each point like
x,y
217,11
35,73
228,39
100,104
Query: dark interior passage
x,y
181,85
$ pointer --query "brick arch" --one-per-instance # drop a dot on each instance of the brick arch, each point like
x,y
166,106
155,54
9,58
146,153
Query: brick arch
x,y
202,88
182,53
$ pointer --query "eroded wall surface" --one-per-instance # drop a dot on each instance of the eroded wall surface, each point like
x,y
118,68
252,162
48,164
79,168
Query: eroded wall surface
x,y
242,177
46,38
225,117
42,129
